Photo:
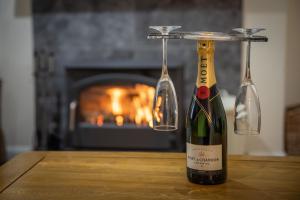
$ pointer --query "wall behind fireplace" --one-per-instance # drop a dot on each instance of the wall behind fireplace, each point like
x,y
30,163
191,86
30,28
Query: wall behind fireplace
x,y
95,31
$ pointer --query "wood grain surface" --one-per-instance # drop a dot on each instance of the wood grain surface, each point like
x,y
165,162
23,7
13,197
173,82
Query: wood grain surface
x,y
136,175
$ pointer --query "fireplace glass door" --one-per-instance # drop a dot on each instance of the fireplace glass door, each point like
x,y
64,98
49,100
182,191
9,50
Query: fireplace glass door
x,y
111,109
108,106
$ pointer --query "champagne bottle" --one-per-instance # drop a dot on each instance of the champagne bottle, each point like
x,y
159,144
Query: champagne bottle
x,y
206,124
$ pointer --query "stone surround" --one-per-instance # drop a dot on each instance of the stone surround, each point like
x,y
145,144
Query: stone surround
x,y
96,31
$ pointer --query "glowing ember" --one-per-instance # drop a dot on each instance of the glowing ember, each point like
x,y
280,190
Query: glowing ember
x,y
100,120
118,105
119,120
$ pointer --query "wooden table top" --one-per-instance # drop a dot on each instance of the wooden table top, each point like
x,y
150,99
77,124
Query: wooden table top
x,y
133,175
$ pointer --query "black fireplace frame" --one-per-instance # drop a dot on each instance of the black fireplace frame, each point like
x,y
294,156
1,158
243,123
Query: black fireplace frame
x,y
81,76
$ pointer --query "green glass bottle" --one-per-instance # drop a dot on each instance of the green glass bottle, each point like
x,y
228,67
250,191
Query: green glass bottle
x,y
206,124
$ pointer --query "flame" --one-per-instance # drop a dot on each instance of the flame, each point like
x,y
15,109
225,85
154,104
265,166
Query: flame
x,y
116,95
143,105
157,114
139,116
119,105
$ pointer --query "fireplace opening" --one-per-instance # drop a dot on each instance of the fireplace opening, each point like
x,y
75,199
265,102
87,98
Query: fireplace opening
x,y
109,106
117,105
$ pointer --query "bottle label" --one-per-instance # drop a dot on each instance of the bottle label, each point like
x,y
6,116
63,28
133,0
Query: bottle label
x,y
204,157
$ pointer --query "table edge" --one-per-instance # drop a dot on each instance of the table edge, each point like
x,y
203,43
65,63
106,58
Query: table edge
x,y
15,168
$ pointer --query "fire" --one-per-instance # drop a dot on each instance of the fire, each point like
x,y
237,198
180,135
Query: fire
x,y
100,120
141,103
157,114
116,94
119,120
119,105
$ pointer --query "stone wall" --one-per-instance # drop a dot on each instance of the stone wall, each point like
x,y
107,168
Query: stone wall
x,y
97,31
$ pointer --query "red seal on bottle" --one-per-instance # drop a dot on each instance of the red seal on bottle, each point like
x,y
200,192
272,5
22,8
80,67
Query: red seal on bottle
x,y
203,92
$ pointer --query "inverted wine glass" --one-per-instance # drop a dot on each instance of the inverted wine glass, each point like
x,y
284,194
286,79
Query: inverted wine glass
x,y
165,108
247,106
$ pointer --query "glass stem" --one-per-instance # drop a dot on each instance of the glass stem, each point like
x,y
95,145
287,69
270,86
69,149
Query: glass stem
x,y
164,67
247,74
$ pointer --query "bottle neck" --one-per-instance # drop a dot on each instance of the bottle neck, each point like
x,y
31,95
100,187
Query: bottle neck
x,y
206,71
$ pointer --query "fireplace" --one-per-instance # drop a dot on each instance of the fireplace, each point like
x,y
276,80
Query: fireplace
x,y
100,32
109,106
127,103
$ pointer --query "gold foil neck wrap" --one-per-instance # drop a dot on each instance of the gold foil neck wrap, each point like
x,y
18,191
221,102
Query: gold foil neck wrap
x,y
206,69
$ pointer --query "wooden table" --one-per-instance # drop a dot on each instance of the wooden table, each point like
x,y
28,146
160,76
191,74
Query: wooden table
x,y
132,175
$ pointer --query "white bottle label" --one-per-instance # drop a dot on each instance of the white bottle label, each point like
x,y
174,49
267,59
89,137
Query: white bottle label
x,y
204,157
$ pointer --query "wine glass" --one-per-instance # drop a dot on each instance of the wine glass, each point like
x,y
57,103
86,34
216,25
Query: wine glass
x,y
247,107
165,108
